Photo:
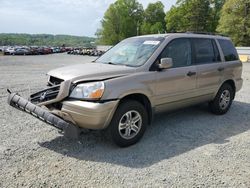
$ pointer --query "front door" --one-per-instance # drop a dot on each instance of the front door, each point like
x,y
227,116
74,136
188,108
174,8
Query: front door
x,y
179,82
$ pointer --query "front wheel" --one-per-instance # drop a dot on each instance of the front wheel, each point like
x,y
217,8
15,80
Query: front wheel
x,y
223,100
129,123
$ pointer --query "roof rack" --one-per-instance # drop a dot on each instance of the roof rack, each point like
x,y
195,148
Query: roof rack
x,y
205,33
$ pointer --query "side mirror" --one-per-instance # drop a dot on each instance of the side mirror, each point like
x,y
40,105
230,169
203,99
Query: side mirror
x,y
166,63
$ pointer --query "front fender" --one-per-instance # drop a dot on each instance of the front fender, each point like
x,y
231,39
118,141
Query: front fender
x,y
139,83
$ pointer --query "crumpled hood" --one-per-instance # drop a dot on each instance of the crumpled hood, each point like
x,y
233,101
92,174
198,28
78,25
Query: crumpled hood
x,y
90,71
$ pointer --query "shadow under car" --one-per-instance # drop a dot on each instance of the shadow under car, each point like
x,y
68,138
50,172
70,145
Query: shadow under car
x,y
169,135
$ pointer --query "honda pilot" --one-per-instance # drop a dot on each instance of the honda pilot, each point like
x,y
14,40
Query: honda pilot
x,y
137,78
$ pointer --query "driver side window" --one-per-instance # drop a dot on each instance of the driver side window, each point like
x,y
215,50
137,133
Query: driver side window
x,y
180,52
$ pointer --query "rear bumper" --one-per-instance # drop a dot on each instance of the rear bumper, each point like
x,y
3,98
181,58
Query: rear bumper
x,y
238,84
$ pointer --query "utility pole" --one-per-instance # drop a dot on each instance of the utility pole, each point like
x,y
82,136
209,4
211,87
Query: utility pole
x,y
138,28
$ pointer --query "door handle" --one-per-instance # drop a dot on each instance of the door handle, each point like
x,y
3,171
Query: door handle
x,y
221,69
190,73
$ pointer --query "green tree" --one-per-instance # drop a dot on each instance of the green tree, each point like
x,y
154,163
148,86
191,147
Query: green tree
x,y
174,19
120,21
44,39
216,7
194,15
235,21
154,19
197,15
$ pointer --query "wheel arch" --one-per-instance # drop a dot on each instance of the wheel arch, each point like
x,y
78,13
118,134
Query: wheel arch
x,y
231,83
143,99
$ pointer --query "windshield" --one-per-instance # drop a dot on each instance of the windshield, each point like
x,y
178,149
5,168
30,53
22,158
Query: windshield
x,y
131,52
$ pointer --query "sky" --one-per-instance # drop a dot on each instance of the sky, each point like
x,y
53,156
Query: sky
x,y
71,17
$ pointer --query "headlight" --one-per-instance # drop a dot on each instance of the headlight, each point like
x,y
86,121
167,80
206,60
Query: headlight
x,y
89,91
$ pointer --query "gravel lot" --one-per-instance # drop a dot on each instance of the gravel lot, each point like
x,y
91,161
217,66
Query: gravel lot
x,y
187,148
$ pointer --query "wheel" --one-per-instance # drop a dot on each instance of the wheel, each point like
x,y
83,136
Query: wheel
x,y
129,123
223,100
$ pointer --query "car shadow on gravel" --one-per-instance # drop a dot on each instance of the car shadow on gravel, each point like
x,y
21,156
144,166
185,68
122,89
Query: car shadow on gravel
x,y
169,135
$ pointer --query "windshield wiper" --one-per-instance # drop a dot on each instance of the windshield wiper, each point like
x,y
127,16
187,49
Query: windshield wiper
x,y
111,63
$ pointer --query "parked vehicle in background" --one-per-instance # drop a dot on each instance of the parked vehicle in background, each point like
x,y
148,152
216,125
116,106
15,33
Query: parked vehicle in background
x,y
63,49
9,51
140,76
56,49
22,51
43,50
47,50
33,50
86,51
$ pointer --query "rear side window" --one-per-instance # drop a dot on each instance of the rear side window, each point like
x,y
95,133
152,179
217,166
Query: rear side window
x,y
229,50
180,51
205,51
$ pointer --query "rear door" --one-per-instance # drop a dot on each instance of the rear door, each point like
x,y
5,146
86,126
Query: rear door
x,y
232,65
209,66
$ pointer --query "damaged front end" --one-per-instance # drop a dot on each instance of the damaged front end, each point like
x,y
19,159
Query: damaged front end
x,y
40,105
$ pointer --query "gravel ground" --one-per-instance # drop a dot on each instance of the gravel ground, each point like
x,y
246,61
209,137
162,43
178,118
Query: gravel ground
x,y
187,148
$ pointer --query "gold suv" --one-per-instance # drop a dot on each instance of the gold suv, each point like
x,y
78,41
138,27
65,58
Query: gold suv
x,y
140,76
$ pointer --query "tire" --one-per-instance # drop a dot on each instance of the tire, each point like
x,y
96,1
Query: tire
x,y
124,132
223,100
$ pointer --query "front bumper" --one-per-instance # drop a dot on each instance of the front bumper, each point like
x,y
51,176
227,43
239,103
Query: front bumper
x,y
89,115
82,114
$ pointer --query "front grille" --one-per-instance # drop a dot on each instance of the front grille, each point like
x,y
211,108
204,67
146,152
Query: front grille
x,y
45,95
54,81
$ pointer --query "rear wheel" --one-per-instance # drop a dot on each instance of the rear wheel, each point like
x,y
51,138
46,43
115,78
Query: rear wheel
x,y
223,100
129,123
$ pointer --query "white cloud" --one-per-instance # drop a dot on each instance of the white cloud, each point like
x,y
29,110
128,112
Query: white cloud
x,y
75,17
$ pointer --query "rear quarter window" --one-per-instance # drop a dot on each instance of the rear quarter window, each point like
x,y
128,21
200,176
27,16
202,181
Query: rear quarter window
x,y
228,50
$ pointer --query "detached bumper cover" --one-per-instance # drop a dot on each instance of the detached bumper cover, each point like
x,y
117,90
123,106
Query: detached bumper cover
x,y
22,104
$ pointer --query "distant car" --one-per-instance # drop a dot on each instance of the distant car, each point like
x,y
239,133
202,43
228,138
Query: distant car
x,y
100,53
88,52
94,53
9,51
56,50
34,50
76,51
63,50
21,51
40,51
47,50
68,49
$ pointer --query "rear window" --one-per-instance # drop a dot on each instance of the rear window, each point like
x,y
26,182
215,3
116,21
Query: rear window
x,y
205,51
229,50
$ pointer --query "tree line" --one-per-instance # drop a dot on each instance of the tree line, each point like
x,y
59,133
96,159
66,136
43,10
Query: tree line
x,y
44,40
127,18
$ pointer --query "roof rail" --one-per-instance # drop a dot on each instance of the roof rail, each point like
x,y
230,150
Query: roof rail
x,y
205,33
